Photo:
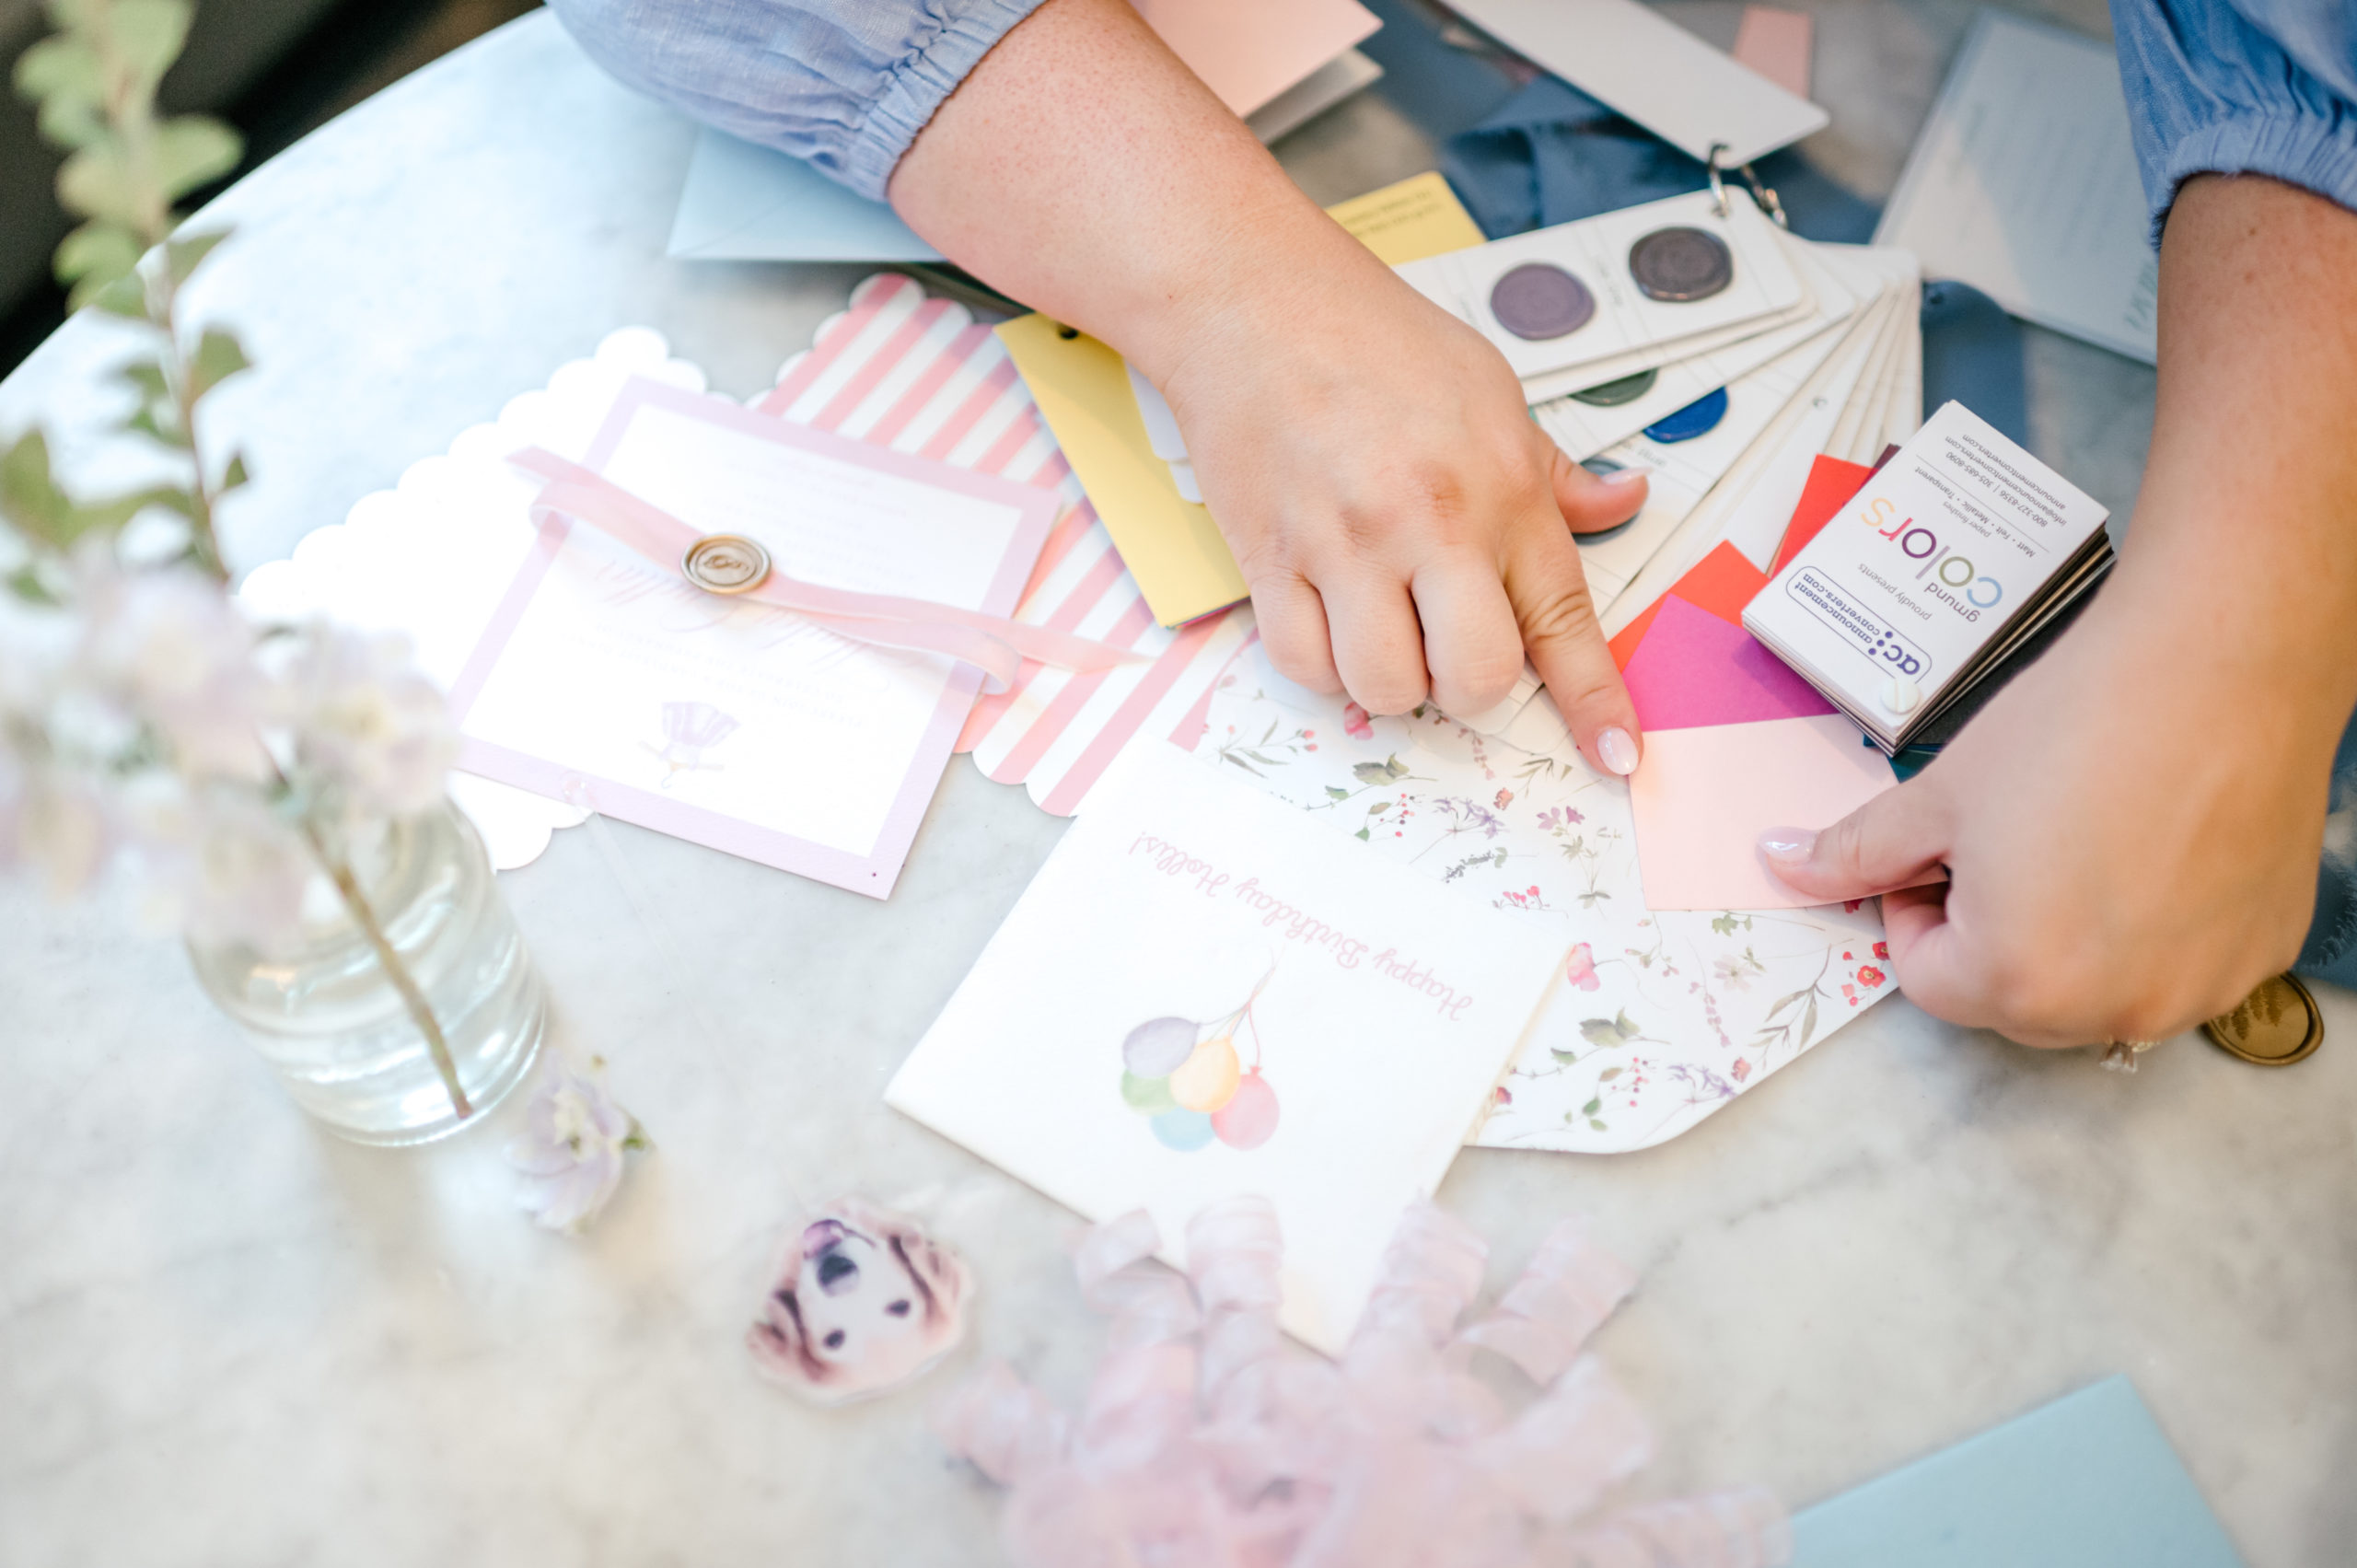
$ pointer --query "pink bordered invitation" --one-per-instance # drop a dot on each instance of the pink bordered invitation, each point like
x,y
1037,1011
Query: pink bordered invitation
x,y
611,681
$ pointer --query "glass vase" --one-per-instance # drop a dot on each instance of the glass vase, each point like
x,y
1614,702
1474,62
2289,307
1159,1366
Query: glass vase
x,y
323,1011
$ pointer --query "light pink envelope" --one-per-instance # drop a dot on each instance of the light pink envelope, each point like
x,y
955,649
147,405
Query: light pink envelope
x,y
1702,797
1694,668
1248,51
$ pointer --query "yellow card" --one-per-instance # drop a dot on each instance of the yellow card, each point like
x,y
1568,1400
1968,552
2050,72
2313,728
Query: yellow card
x,y
1170,545
1408,221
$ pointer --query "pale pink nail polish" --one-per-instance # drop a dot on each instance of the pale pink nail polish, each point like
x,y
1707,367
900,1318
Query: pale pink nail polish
x,y
1629,475
1787,844
1617,751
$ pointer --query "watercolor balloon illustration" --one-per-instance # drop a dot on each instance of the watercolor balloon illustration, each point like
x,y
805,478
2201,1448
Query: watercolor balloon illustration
x,y
1187,1077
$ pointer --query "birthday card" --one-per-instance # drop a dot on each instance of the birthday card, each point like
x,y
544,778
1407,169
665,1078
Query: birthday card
x,y
1199,996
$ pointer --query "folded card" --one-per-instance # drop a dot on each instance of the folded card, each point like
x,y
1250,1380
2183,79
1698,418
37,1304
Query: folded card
x,y
1202,994
611,681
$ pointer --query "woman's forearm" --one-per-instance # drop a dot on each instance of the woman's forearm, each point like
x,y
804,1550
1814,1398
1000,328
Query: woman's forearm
x,y
2242,558
1083,169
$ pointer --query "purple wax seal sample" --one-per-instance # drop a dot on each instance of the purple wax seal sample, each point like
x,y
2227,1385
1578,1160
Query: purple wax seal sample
x,y
1678,264
1539,300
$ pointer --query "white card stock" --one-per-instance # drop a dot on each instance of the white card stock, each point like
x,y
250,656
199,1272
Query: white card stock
x,y
1202,994
1652,70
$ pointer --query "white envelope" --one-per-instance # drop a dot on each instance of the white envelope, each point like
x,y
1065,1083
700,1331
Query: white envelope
x,y
744,203
2024,184
1645,66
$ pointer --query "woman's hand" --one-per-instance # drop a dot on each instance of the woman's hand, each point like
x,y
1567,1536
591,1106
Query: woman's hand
x,y
1405,527
2130,829
2130,833
1402,524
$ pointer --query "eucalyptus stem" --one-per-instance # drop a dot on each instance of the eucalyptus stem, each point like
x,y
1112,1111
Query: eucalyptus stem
x,y
204,545
356,903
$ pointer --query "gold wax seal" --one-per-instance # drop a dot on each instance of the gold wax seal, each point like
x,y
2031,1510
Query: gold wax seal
x,y
725,563
2277,1025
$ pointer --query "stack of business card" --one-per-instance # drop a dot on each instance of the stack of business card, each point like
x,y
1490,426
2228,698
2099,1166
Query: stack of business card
x,y
1957,551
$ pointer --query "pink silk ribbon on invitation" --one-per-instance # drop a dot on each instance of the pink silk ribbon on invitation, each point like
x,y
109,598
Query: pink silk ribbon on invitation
x,y
993,644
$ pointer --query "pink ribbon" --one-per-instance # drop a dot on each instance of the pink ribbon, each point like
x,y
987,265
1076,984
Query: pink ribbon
x,y
993,644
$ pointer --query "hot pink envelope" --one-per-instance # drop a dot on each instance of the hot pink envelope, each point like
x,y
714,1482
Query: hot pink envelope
x,y
1702,797
1694,670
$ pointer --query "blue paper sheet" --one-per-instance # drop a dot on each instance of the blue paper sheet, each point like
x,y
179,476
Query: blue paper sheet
x,y
2088,1481
748,203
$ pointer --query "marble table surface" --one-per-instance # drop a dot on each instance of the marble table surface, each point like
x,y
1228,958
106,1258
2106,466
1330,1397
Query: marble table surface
x,y
226,1338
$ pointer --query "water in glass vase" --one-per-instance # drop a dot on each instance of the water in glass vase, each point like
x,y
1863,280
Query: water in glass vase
x,y
323,1011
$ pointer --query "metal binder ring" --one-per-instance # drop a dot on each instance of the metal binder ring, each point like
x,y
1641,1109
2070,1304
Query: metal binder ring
x,y
1764,196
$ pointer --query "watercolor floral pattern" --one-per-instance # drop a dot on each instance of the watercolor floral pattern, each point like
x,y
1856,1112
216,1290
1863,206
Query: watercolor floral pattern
x,y
1657,1019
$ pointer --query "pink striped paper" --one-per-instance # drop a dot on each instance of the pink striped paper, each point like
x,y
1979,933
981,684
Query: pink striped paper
x,y
918,375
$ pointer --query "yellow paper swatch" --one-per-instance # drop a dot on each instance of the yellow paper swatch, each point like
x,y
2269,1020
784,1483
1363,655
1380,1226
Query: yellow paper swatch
x,y
1170,545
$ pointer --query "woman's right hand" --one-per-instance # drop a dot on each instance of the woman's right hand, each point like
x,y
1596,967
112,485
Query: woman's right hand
x,y
1405,528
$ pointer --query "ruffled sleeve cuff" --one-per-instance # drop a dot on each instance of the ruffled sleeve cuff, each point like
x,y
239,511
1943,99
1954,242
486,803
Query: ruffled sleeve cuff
x,y
2313,153
918,86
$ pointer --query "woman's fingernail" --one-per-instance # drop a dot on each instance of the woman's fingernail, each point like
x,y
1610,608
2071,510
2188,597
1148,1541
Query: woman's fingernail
x,y
1629,475
1617,751
1787,844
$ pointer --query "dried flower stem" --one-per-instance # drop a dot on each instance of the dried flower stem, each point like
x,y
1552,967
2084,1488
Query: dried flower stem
x,y
356,903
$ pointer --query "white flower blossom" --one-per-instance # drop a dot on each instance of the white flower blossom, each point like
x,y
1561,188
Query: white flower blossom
x,y
216,863
572,1150
363,718
164,647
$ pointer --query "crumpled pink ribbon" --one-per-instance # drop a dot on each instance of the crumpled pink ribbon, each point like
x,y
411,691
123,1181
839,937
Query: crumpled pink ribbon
x,y
1204,1441
994,645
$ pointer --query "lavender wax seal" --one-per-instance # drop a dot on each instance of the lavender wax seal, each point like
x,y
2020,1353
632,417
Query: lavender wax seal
x,y
1539,300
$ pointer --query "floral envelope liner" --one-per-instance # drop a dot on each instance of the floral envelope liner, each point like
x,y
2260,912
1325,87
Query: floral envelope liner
x,y
1658,1018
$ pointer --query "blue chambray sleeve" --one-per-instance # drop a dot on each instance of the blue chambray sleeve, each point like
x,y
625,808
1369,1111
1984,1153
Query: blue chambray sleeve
x,y
843,85
2254,87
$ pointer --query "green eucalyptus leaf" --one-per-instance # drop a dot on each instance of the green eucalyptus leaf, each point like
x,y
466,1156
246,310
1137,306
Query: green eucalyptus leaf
x,y
217,357
62,67
145,377
107,517
182,256
126,297
28,495
146,422
26,583
70,122
172,499
148,35
97,182
97,253
191,151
